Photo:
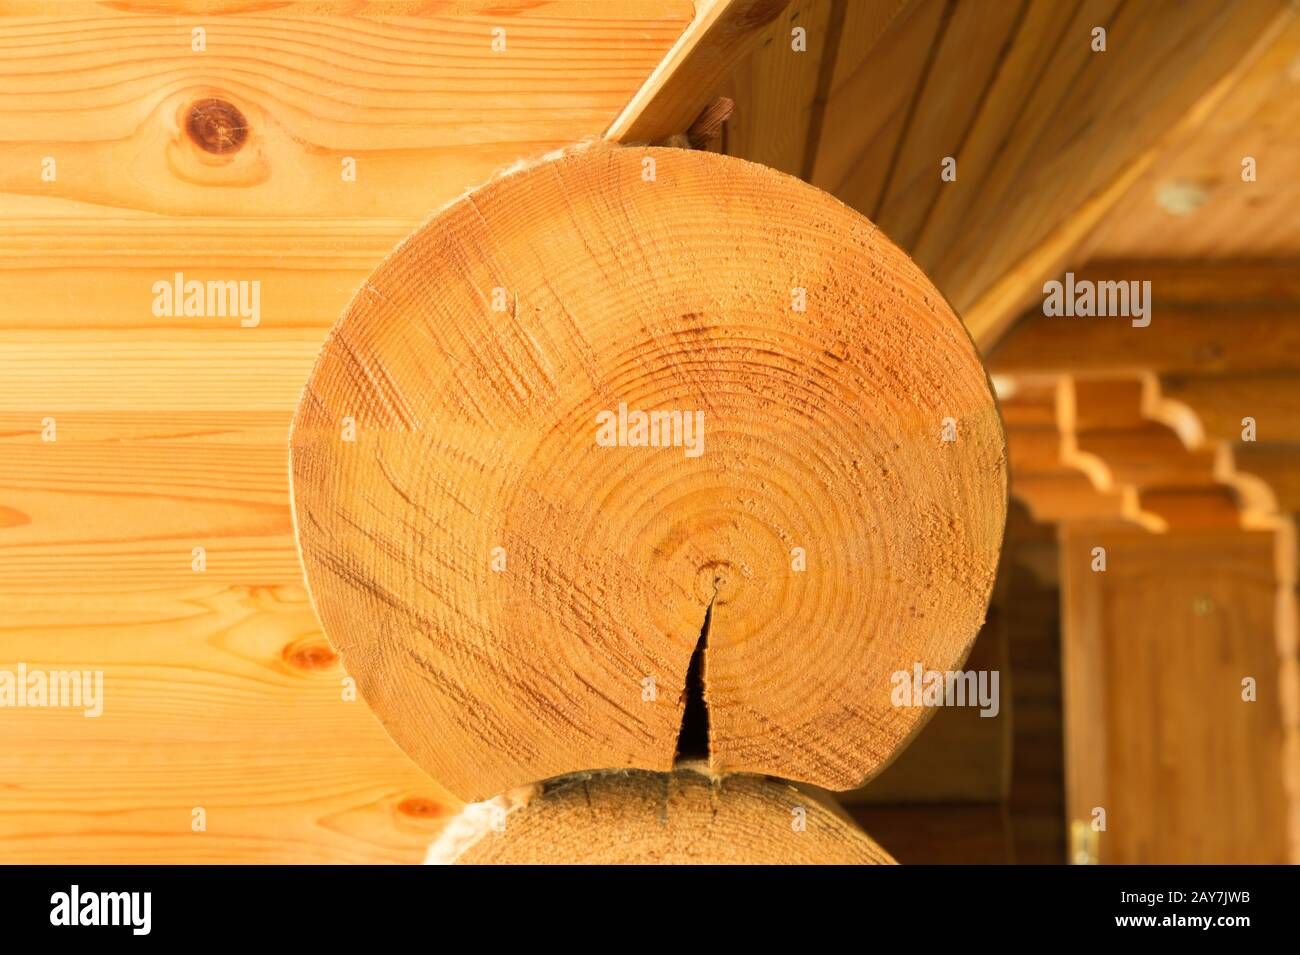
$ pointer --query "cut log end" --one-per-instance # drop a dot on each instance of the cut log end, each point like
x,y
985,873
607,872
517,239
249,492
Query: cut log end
x,y
612,394
635,817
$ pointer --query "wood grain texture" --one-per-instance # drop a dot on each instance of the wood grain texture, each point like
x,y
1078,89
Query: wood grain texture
x,y
218,695
220,690
1063,166
964,59
1222,401
477,429
1223,216
682,818
1033,118
855,154
421,102
775,89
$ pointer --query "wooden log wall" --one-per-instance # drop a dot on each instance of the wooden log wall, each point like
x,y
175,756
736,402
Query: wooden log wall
x,y
145,522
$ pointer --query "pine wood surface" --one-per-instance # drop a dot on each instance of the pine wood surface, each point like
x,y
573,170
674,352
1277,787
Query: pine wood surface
x,y
220,690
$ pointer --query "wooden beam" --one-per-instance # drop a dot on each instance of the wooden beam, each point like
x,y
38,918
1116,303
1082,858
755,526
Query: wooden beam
x,y
1263,283
1145,458
1117,449
1221,402
1054,489
1100,404
1214,507
695,69
993,307
1179,340
1032,450
1070,497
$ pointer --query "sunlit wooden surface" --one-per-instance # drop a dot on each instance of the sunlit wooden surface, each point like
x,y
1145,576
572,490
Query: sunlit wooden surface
x,y
171,432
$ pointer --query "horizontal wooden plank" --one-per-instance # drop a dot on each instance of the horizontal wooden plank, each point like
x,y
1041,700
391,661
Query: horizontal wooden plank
x,y
1069,497
1179,339
138,370
1148,457
215,696
422,102
1222,401
1265,282
129,512
1034,450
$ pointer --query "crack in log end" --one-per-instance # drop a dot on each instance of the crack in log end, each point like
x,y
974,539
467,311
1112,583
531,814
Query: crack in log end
x,y
693,737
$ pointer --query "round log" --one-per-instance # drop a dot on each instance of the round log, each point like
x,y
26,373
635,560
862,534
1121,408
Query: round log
x,y
640,818
638,453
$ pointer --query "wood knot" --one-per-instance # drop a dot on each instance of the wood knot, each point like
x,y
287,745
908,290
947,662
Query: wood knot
x,y
216,126
310,654
419,807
